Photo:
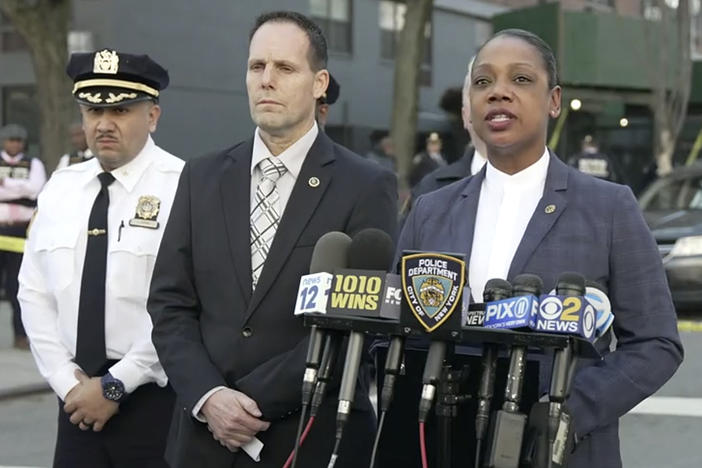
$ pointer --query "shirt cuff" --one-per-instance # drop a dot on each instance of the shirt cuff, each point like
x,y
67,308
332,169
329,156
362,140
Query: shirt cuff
x,y
253,449
63,380
131,375
201,402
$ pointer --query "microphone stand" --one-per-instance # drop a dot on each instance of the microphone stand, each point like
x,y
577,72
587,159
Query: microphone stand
x,y
448,399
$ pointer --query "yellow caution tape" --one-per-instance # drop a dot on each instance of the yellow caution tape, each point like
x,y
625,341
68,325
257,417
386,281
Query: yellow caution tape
x,y
689,326
12,244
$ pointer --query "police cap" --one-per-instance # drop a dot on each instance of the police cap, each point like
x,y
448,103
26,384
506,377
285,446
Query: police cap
x,y
13,132
332,93
109,78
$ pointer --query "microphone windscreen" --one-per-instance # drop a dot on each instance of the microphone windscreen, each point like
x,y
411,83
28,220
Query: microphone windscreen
x,y
371,249
496,289
596,295
526,283
330,252
570,284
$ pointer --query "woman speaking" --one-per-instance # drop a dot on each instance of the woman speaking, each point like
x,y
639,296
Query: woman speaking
x,y
527,212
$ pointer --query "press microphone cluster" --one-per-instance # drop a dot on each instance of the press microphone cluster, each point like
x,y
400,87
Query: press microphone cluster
x,y
355,295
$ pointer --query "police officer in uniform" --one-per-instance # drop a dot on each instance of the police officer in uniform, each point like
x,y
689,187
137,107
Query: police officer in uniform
x,y
593,162
86,271
80,152
328,98
21,179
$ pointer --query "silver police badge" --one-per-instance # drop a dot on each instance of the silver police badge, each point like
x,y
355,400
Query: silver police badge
x,y
147,210
106,61
433,286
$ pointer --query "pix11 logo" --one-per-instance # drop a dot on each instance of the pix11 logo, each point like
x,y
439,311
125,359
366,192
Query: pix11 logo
x,y
432,284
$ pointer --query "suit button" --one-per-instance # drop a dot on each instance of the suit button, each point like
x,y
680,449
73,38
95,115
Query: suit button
x,y
247,332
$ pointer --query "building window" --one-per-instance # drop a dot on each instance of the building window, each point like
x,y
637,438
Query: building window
x,y
10,39
334,18
391,16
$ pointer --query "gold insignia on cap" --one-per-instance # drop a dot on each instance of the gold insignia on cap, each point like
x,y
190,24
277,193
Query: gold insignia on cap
x,y
106,61
119,97
90,97
549,209
313,182
146,211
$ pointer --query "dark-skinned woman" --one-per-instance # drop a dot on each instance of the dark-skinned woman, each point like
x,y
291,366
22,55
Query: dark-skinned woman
x,y
527,212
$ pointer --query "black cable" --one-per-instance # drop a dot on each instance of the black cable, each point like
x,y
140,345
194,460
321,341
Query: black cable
x,y
335,453
478,447
377,439
300,426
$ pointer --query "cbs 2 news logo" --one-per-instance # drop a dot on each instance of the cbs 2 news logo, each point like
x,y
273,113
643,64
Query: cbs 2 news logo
x,y
562,314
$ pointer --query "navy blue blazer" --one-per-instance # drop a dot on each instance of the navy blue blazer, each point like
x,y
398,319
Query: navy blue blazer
x,y
597,230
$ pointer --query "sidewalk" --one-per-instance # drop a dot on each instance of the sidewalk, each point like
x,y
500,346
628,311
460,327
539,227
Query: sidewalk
x,y
18,373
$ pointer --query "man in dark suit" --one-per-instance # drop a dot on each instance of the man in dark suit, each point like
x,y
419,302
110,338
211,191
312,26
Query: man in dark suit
x,y
243,228
470,163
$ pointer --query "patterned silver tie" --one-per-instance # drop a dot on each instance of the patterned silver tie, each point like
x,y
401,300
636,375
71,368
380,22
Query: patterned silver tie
x,y
265,215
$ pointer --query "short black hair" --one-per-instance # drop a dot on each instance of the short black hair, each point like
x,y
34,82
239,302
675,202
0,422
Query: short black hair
x,y
539,44
318,44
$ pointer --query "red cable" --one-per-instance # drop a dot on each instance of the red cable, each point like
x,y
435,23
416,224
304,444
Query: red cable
x,y
423,446
288,462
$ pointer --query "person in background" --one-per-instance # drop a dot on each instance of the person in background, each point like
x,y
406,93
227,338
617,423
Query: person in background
x,y
80,151
593,162
328,98
428,160
472,161
21,179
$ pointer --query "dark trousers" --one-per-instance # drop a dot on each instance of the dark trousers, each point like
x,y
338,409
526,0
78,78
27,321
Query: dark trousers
x,y
133,438
9,267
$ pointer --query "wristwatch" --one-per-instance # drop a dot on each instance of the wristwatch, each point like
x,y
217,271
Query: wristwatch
x,y
112,388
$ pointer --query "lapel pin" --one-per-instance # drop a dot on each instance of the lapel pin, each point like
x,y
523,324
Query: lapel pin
x,y
549,209
313,182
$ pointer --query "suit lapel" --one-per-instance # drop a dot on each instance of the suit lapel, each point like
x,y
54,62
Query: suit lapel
x,y
462,234
301,206
234,188
549,209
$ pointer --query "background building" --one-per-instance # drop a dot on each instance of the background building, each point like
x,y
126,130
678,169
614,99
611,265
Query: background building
x,y
205,47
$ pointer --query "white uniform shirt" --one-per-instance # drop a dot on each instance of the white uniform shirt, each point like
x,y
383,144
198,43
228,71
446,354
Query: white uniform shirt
x,y
16,188
506,205
50,276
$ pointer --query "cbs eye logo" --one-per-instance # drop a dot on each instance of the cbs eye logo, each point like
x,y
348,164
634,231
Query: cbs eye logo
x,y
569,309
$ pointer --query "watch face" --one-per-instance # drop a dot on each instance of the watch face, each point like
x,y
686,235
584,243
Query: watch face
x,y
113,390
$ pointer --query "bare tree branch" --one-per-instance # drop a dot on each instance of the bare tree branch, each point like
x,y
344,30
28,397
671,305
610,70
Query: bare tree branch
x,y
44,26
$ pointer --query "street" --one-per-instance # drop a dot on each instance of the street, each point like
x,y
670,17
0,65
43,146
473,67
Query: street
x,y
662,433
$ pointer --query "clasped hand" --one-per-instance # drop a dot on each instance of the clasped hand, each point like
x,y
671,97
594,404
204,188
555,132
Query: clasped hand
x,y
88,408
233,418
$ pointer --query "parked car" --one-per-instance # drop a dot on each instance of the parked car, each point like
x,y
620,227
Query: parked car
x,y
672,206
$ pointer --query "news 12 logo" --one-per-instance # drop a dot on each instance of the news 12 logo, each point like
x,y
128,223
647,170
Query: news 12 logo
x,y
572,315
313,293
515,312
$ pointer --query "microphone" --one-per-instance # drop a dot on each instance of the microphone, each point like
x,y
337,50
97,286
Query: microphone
x,y
524,285
370,249
569,285
330,252
432,374
596,295
495,290
508,430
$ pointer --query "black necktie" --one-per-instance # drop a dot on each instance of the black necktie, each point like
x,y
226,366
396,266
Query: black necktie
x,y
90,343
